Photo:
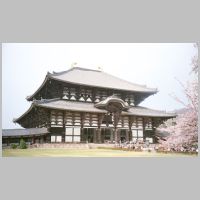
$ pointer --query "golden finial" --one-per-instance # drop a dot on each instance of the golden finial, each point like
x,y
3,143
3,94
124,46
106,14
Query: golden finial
x,y
74,64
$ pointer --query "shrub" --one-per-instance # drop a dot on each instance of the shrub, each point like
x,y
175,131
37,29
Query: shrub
x,y
13,146
22,144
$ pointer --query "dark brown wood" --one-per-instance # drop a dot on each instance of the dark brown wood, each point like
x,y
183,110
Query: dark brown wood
x,y
144,121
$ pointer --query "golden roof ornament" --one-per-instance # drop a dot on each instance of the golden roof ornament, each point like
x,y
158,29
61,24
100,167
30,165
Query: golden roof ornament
x,y
100,68
74,64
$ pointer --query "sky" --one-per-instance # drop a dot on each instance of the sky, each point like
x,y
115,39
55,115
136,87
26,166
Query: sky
x,y
24,67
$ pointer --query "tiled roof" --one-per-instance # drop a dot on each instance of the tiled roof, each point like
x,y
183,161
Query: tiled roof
x,y
98,78
142,111
23,132
68,105
90,107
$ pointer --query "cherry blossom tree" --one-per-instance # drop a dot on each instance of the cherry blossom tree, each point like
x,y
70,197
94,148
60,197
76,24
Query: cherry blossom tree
x,y
184,135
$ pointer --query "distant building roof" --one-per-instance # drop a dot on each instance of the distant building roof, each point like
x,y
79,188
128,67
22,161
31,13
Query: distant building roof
x,y
90,107
24,132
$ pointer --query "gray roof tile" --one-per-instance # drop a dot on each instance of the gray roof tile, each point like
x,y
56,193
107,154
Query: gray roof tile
x,y
98,78
90,107
24,132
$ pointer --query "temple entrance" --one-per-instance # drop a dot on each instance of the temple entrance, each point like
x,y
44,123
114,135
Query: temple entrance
x,y
123,135
88,135
106,135
56,134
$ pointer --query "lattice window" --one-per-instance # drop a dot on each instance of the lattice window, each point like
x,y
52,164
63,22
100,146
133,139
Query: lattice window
x,y
87,120
88,95
65,93
59,118
53,118
82,95
118,95
120,122
94,120
68,118
72,94
56,138
97,97
72,134
134,124
125,122
77,119
137,135
148,124
139,122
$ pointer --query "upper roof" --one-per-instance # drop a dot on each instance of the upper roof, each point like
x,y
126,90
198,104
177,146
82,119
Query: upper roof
x,y
98,78
24,132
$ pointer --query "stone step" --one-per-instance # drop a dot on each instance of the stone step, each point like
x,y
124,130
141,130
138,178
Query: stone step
x,y
71,145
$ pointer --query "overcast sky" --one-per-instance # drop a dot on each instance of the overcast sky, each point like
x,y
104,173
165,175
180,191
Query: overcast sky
x,y
155,65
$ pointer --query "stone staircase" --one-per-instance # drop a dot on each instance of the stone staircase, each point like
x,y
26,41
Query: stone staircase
x,y
70,145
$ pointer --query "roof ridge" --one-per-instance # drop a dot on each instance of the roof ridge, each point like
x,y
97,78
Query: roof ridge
x,y
22,128
73,68
45,100
13,129
87,69
168,112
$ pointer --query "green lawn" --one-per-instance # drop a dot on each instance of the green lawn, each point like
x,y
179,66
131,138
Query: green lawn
x,y
84,153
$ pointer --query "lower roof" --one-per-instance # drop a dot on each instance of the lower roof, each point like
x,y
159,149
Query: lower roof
x,y
24,132
60,104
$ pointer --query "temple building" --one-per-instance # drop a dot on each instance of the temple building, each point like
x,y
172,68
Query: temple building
x,y
84,105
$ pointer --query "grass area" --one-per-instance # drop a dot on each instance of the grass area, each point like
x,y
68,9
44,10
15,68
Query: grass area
x,y
84,153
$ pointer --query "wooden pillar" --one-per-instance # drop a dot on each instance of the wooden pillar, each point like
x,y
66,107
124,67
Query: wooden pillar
x,y
99,135
95,137
116,135
127,135
82,138
33,139
130,135
131,119
111,135
116,117
82,126
144,125
63,134
100,119
8,142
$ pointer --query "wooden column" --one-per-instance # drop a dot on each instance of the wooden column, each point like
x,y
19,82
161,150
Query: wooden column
x,y
63,134
111,136
116,120
155,123
99,135
131,119
116,135
8,142
127,135
144,125
100,119
82,139
95,137
33,140
82,125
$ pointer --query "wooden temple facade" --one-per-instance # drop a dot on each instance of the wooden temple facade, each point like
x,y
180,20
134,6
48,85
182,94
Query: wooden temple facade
x,y
84,105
